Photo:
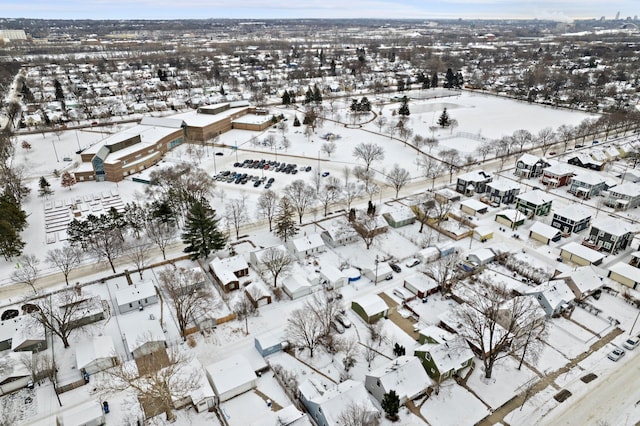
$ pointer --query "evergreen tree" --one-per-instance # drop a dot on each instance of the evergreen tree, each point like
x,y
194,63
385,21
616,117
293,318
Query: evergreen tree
x,y
13,220
59,92
426,83
444,119
354,105
400,85
292,96
434,80
201,231
365,105
317,94
222,92
286,99
459,80
404,107
308,96
450,78
296,122
391,404
45,187
285,224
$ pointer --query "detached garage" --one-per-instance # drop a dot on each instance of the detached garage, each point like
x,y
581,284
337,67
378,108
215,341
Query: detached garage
x,y
231,377
625,274
370,308
420,285
544,233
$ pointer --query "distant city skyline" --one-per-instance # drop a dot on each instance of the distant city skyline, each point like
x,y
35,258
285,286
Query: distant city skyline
x,y
561,10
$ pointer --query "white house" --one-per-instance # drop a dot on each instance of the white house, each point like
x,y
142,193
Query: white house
x,y
332,277
223,275
256,257
96,354
29,335
143,337
325,403
420,284
405,375
554,296
308,245
231,377
583,281
339,233
14,374
134,297
296,286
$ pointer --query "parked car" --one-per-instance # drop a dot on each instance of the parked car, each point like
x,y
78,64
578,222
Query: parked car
x,y
412,262
631,343
401,293
342,319
395,267
325,174
337,327
616,354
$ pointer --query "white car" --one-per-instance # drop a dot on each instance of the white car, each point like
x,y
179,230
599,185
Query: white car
x,y
616,354
342,319
412,262
631,343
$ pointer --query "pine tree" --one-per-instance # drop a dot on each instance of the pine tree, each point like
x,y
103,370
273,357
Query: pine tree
x,y
292,96
296,122
45,187
434,80
444,119
317,94
201,231
450,78
286,99
285,224
67,180
391,404
13,220
404,108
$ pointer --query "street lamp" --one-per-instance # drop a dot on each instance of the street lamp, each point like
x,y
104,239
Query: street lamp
x,y
54,150
375,282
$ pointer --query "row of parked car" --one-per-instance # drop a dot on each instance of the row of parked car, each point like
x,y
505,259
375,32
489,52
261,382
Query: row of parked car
x,y
276,166
631,343
243,179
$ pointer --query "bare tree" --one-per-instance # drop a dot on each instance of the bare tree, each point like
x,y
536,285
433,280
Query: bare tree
x,y
160,233
356,414
431,143
381,121
491,317
329,193
483,150
430,168
304,330
61,312
236,214
157,381
190,295
329,148
451,157
444,271
268,206
367,228
27,271
39,364
565,134
138,254
422,210
397,178
244,309
277,262
350,192
368,152
65,259
324,308
301,196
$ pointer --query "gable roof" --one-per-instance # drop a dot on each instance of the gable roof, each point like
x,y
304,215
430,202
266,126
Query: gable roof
x,y
574,212
333,401
90,350
614,226
535,197
545,230
449,355
585,279
405,375
371,303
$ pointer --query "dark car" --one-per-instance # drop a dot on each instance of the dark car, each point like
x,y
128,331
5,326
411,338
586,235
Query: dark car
x,y
395,267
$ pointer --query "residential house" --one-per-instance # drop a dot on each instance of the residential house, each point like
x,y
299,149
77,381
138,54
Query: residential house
x,y
236,264
473,207
200,395
473,182
581,254
339,233
557,175
296,286
269,343
88,413
223,275
257,294
404,375
544,233
502,191
535,316
434,334
623,197
534,203
511,218
95,354
530,166
370,307
231,377
332,277
554,296
587,184
136,297
15,373
572,218
307,245
143,337
325,402
583,281
86,310
379,271
445,359
27,334
399,216
481,256
630,175
446,195
257,257
612,234
585,161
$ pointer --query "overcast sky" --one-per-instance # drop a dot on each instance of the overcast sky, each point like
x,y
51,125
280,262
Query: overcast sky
x,y
263,9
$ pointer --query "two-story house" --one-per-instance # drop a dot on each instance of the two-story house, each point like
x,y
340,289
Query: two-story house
x,y
530,166
502,191
586,185
473,182
585,161
534,203
623,197
612,234
557,175
572,218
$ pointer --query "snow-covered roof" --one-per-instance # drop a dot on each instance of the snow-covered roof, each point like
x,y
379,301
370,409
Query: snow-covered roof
x,y
224,274
449,355
331,273
294,283
308,242
334,400
628,189
139,332
535,197
574,212
614,226
503,185
421,282
85,413
557,292
98,347
585,278
230,373
474,204
512,215
483,255
583,252
233,263
437,333
405,375
545,230
14,366
626,270
559,169
529,159
28,330
588,178
133,293
475,176
399,214
372,304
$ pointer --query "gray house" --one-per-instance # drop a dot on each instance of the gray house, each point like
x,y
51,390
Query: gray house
x,y
571,219
623,197
530,166
473,182
612,235
586,185
503,191
136,297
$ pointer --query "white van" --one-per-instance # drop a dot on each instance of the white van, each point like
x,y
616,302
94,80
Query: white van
x,y
401,293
